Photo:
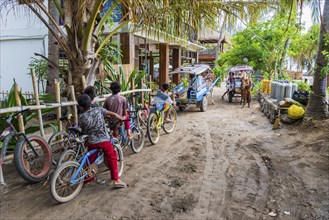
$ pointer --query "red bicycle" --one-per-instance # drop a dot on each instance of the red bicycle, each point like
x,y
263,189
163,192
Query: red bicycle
x,y
32,155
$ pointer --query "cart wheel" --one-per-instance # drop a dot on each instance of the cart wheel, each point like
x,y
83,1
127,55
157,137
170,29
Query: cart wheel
x,y
181,108
204,104
230,97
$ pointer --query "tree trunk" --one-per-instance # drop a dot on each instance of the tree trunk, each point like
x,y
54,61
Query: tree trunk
x,y
53,52
286,48
316,106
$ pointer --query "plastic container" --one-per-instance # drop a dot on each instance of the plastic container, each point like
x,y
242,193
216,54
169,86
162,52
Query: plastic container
x,y
288,90
265,86
273,89
294,87
280,92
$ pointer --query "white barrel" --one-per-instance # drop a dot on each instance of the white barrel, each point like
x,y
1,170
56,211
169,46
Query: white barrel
x,y
280,92
273,89
277,90
288,90
294,88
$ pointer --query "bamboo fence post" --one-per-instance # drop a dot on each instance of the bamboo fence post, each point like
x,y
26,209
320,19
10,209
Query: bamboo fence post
x,y
18,103
150,80
75,110
83,81
132,87
58,100
37,102
142,83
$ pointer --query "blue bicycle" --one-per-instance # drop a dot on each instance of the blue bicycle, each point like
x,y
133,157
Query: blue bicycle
x,y
137,142
69,177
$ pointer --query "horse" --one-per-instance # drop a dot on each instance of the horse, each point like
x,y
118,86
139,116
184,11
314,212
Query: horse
x,y
245,90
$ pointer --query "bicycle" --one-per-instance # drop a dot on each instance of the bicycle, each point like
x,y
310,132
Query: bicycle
x,y
80,149
32,156
69,177
62,140
138,140
156,121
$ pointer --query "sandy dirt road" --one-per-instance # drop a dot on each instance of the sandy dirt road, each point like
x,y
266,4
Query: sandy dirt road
x,y
226,163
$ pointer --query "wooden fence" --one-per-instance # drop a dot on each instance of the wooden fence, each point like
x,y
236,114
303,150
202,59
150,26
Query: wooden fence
x,y
57,106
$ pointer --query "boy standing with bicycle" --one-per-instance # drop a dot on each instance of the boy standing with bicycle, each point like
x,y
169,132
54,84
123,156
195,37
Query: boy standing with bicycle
x,y
118,104
92,122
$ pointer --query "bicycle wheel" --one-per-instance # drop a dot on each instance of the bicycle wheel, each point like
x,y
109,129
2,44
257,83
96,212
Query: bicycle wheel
x,y
68,155
119,153
32,163
137,142
58,143
142,117
169,127
152,129
61,188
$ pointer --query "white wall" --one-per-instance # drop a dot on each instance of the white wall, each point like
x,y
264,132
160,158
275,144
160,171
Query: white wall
x,y
21,35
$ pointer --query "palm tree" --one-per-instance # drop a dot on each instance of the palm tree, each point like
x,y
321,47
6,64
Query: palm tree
x,y
53,52
316,106
84,23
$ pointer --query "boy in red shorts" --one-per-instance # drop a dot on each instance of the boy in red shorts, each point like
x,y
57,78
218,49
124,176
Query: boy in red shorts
x,y
92,122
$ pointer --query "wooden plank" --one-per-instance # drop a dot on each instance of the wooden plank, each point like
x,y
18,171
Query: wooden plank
x,y
18,103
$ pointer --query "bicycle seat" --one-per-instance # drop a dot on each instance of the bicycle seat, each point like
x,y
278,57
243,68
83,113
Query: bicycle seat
x,y
65,117
75,130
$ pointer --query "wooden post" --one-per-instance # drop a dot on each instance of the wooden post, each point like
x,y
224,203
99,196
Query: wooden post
x,y
176,56
37,102
18,103
164,63
75,110
58,100
83,81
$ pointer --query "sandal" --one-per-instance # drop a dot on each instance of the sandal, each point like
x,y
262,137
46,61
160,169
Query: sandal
x,y
119,185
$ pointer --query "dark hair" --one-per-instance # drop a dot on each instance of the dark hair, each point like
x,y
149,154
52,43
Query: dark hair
x,y
165,86
84,101
90,90
115,87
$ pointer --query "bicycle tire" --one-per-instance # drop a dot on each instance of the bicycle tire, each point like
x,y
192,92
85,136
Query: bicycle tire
x,y
68,155
119,153
153,131
142,117
170,127
25,159
137,142
58,143
60,188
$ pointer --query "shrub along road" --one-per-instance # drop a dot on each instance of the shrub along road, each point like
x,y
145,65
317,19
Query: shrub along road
x,y
226,163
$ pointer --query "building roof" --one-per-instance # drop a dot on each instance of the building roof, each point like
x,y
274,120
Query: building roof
x,y
207,35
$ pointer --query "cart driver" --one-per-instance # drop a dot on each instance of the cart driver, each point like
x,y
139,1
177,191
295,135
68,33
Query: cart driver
x,y
195,83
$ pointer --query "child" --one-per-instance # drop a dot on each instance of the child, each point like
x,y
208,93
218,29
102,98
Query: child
x,y
92,122
118,104
164,99
90,90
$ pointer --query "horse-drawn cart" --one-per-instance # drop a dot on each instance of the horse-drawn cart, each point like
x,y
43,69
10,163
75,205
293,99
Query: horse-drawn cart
x,y
197,83
234,81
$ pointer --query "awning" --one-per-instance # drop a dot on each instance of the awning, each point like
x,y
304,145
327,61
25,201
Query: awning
x,y
162,37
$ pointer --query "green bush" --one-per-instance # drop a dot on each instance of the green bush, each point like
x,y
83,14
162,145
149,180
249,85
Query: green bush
x,y
302,86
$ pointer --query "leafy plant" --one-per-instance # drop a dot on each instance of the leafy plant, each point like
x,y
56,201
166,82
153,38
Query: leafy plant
x,y
302,86
40,67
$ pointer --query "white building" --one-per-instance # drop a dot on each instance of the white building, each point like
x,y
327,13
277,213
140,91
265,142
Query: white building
x,y
21,35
